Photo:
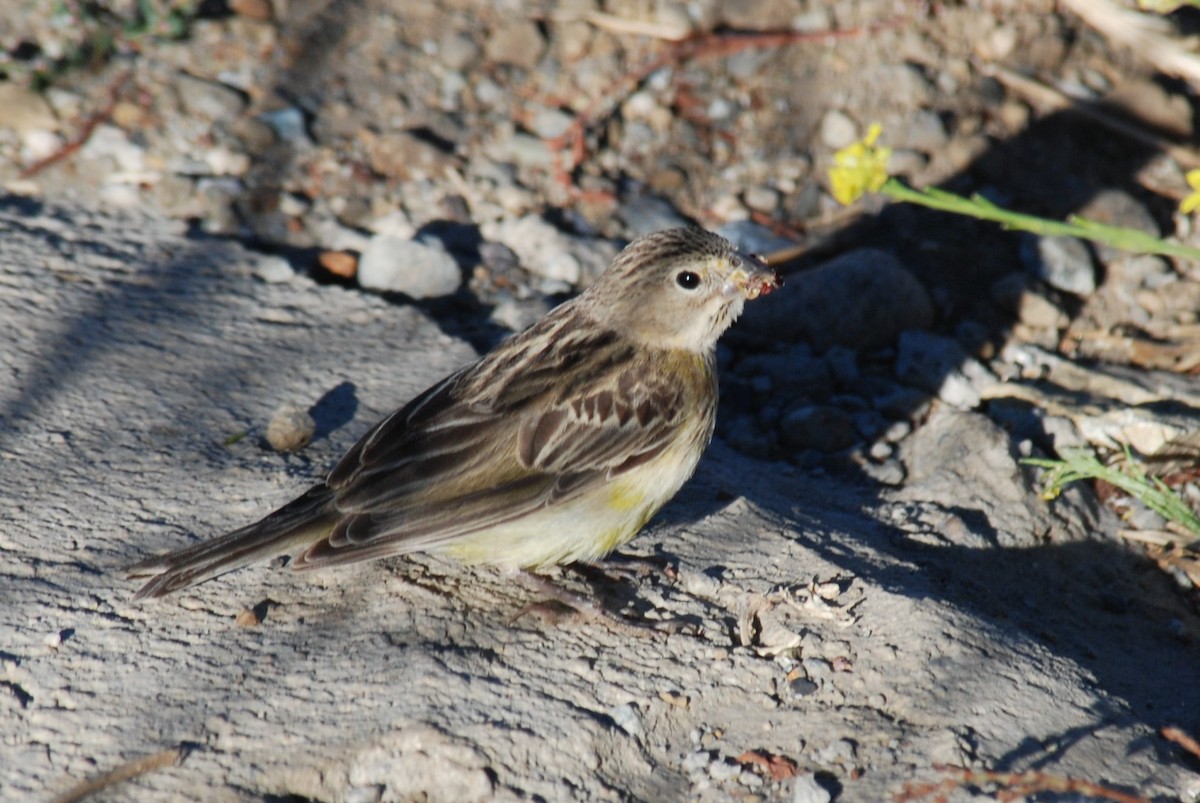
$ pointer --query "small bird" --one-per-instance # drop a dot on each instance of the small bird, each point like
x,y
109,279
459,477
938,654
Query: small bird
x,y
555,447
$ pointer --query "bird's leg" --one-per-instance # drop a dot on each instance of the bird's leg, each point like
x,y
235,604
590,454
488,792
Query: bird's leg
x,y
618,566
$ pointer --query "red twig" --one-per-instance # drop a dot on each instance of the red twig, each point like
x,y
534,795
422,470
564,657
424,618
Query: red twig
x,y
85,133
1182,739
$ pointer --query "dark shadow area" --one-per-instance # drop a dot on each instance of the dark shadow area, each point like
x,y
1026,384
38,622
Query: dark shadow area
x,y
335,409
163,297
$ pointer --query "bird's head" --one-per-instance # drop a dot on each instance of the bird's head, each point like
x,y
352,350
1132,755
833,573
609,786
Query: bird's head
x,y
679,288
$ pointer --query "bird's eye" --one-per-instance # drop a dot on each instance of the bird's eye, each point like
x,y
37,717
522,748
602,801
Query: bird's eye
x,y
687,280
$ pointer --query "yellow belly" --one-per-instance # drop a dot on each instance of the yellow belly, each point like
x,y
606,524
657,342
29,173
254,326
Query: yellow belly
x,y
586,528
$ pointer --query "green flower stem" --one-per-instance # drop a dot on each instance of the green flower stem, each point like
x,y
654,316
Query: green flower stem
x,y
1153,493
979,207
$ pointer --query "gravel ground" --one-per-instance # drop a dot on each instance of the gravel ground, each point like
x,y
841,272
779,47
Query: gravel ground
x,y
474,163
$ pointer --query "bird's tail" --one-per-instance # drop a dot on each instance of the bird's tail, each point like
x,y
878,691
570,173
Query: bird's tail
x,y
303,521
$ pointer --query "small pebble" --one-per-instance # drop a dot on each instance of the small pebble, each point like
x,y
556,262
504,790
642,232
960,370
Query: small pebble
x,y
22,110
762,199
722,770
291,428
1118,208
247,618
520,44
803,687
288,124
457,50
339,263
753,238
628,718
695,763
208,100
837,130
274,269
1064,263
700,584
367,793
940,365
820,427
649,213
805,789
840,752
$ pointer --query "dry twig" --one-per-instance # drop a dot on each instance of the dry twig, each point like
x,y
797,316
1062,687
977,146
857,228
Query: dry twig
x,y
89,127
125,772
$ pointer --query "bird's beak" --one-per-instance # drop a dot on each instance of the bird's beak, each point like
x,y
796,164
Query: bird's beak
x,y
753,278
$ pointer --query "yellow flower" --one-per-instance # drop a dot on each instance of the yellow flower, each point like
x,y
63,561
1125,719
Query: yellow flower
x,y
859,168
1192,201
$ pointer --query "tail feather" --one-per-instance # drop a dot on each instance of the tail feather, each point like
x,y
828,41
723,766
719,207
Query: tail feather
x,y
301,522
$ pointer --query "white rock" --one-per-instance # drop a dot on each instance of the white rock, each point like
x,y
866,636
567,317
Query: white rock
x,y
837,129
805,789
38,144
108,141
940,365
274,270
411,267
543,249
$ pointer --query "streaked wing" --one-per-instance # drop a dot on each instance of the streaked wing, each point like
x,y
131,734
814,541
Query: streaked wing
x,y
608,429
489,446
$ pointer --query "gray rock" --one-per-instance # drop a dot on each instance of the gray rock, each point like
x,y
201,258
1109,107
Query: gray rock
x,y
520,44
24,111
649,213
208,99
274,269
843,364
793,373
1144,270
562,260
412,267
805,789
550,123
921,131
543,249
457,50
518,314
753,238
869,423
762,198
889,471
860,300
1118,208
521,149
941,366
820,427
404,155
964,461
1064,263
742,434
1015,293
837,129
288,124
